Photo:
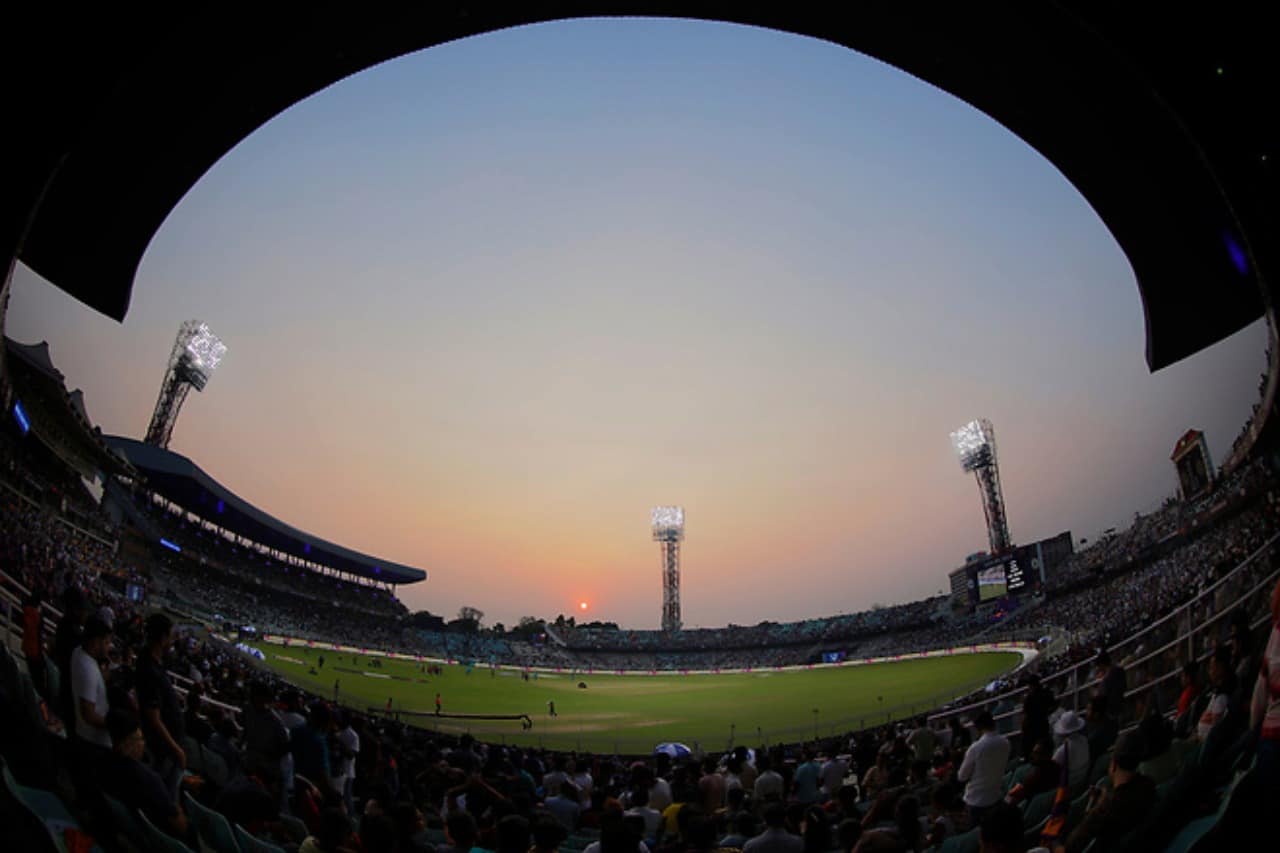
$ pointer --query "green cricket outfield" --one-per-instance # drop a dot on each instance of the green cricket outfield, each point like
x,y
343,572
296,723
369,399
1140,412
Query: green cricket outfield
x,y
630,714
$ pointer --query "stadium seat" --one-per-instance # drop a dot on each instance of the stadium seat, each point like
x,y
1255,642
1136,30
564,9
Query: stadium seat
x,y
125,823
44,807
1186,839
253,844
215,767
212,829
966,842
190,746
158,840
1038,808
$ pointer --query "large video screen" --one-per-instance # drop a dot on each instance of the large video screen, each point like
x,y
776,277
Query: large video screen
x,y
992,583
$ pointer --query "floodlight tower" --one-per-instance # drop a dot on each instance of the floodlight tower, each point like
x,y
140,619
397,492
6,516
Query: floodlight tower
x,y
668,531
975,444
196,353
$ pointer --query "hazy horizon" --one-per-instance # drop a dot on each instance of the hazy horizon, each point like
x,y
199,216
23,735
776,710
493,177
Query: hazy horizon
x,y
488,303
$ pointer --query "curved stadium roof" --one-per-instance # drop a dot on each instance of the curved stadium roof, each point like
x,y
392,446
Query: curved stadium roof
x,y
182,481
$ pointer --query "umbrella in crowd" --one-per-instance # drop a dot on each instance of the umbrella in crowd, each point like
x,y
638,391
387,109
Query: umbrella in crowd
x,y
675,750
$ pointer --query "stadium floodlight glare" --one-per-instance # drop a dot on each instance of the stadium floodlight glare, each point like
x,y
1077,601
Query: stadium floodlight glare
x,y
667,521
668,531
972,443
197,352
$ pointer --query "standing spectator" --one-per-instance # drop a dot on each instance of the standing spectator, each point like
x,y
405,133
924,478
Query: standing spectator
x,y
805,782
348,747
1101,729
983,768
309,744
33,640
161,711
266,741
833,773
1037,705
768,785
88,688
922,741
711,787
1112,687
66,640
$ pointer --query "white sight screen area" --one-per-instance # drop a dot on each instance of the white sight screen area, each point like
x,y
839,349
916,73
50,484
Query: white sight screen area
x,y
205,348
667,517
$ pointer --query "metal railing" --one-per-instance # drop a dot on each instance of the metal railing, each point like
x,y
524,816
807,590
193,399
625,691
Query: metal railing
x,y
1153,656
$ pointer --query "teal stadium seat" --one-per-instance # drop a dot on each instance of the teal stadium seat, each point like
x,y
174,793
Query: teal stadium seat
x,y
126,823
159,841
45,807
1038,808
253,844
966,842
213,830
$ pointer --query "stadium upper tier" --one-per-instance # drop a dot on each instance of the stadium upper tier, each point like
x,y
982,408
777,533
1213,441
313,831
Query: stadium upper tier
x,y
176,478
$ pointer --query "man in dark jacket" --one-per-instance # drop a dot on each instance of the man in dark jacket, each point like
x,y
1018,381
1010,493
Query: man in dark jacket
x,y
1115,812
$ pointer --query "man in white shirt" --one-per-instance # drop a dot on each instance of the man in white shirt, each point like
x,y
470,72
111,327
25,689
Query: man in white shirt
x,y
769,784
344,761
983,768
652,817
833,772
88,688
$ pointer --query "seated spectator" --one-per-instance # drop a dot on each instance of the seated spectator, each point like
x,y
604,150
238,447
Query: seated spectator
x,y
564,805
1043,775
741,830
333,836
548,834
775,838
133,783
1073,751
1191,700
1222,686
877,776
816,830
1114,812
410,828
905,834
848,834
460,832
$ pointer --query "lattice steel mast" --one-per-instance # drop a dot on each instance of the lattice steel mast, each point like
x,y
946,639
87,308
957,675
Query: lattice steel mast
x,y
975,444
196,353
668,531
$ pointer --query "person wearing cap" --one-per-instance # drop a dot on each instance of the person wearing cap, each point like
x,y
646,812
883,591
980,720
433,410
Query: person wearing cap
x,y
1116,811
88,687
1073,748
983,768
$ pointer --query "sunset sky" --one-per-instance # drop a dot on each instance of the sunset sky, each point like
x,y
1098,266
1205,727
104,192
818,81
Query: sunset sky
x,y
487,304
